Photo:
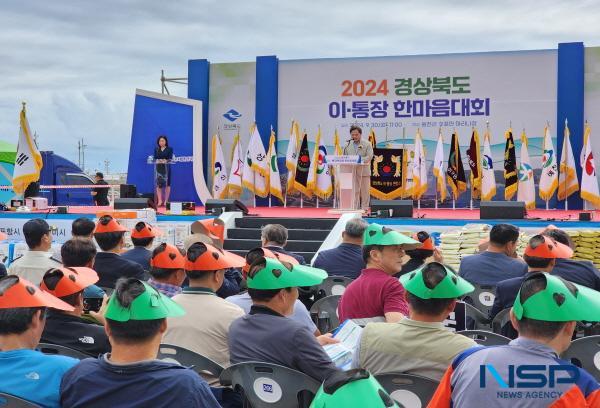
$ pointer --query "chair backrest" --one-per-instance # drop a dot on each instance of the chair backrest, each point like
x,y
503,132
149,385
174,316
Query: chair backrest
x,y
482,298
55,349
585,353
10,401
501,320
329,305
476,320
411,391
267,385
185,357
333,285
485,338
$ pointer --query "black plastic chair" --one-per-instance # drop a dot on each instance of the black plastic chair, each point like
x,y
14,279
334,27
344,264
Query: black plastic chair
x,y
476,320
585,353
57,350
482,298
266,385
188,358
333,285
10,401
485,338
501,320
407,389
324,313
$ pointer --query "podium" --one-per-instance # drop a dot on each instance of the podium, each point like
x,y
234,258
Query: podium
x,y
161,173
345,168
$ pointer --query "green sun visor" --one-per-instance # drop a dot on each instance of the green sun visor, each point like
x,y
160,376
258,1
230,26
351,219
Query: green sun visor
x,y
376,234
276,275
451,287
149,305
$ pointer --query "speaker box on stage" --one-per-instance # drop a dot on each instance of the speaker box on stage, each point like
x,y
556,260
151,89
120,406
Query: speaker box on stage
x,y
399,208
214,206
127,191
510,210
131,203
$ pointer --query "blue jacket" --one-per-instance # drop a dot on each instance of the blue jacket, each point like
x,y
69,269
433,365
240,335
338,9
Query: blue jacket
x,y
489,268
139,255
345,260
280,250
111,267
580,272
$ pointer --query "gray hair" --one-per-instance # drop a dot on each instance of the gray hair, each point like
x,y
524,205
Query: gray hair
x,y
355,228
276,233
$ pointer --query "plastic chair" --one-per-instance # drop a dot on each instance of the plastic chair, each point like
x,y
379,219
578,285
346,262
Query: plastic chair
x,y
501,320
266,385
485,338
188,358
585,353
325,312
476,320
55,349
333,285
408,390
482,298
10,401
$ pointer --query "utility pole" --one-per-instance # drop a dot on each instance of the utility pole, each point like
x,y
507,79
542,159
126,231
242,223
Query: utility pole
x,y
81,153
106,164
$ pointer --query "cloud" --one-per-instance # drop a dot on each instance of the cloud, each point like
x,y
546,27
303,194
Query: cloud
x,y
77,64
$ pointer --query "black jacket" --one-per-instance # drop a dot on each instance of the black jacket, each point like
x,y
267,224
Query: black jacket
x,y
139,255
345,260
111,267
280,250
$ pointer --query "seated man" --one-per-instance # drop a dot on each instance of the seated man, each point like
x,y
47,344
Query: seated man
x,y
545,314
498,262
418,257
67,328
38,259
109,264
142,237
274,237
243,300
3,271
376,294
26,373
265,334
167,269
418,344
130,375
345,260
82,252
83,228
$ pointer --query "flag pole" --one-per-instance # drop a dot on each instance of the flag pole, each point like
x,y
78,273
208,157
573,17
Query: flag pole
x,y
564,144
401,164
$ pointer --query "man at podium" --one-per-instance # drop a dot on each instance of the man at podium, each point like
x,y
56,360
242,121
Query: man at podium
x,y
361,174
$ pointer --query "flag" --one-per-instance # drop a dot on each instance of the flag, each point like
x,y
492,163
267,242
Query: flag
x,y
419,168
234,185
337,148
474,159
303,168
324,187
219,188
312,173
526,190
252,179
28,161
291,156
274,179
372,138
589,182
549,177
455,174
438,168
567,177
488,178
510,166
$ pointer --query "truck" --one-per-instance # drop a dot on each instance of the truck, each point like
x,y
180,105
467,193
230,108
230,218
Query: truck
x,y
59,171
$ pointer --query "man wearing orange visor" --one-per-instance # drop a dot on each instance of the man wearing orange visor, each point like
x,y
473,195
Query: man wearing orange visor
x,y
419,256
67,328
540,255
142,237
167,269
27,373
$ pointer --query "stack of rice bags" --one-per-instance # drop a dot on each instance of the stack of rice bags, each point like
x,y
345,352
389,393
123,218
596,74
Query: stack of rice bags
x,y
450,247
587,245
463,242
522,243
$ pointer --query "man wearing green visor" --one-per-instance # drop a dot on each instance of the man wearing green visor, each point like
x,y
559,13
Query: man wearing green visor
x,y
265,334
376,294
131,375
419,344
527,372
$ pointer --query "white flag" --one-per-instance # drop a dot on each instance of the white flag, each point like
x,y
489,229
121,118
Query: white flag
x,y
234,186
488,178
291,157
589,182
324,186
274,178
419,168
526,187
219,187
567,178
28,161
438,168
258,153
255,158
549,176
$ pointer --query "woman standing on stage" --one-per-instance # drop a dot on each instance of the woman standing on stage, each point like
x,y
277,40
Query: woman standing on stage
x,y
162,155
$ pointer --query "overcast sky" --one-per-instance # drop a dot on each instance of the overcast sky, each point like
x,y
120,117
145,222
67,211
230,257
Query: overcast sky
x,y
77,63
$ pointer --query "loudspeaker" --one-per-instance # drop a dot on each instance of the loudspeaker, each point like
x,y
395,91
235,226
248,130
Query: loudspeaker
x,y
213,206
585,216
131,203
127,191
400,208
509,210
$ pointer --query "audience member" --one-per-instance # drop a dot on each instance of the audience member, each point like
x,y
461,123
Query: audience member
x,y
418,257
418,344
352,389
376,294
498,262
131,375
3,272
345,260
83,228
265,334
27,373
142,237
274,237
109,264
545,314
167,269
78,252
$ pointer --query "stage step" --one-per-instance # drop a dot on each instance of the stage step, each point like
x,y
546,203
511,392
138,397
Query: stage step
x,y
289,223
293,234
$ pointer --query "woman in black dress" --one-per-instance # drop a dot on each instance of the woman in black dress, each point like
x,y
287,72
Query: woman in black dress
x,y
162,154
